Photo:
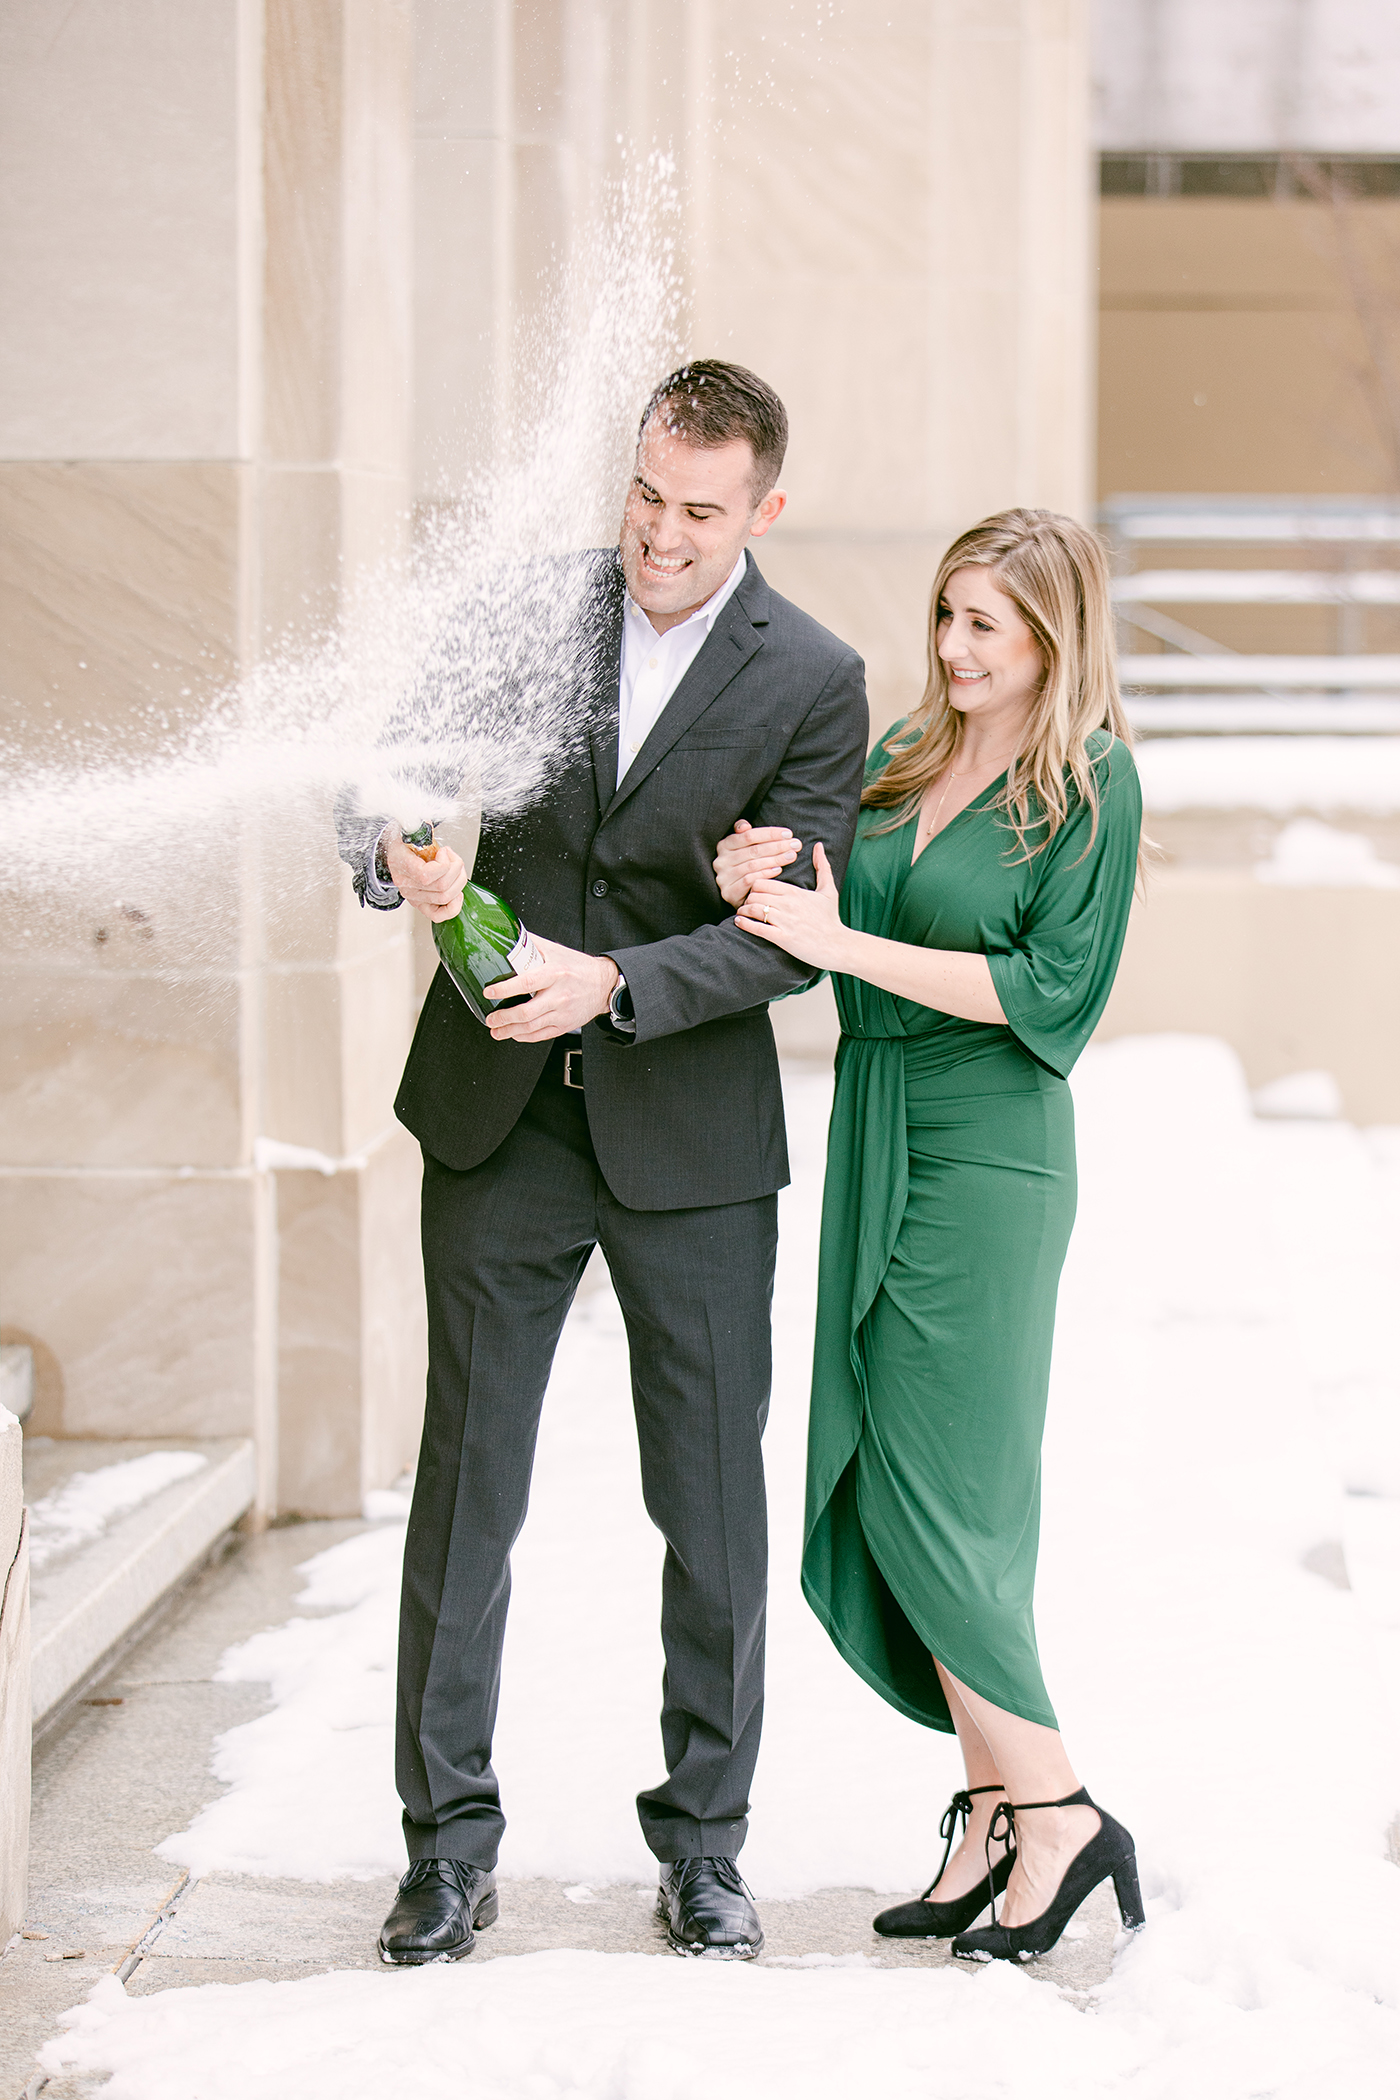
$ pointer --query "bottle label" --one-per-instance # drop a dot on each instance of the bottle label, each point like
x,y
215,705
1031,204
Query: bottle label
x,y
524,955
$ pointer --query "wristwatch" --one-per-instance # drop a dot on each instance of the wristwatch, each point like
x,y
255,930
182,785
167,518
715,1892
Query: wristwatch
x,y
620,1009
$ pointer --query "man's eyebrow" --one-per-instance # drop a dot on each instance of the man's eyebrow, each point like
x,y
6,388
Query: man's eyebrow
x,y
696,503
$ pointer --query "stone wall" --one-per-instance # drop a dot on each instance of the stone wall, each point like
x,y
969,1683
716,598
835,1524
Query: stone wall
x,y
206,248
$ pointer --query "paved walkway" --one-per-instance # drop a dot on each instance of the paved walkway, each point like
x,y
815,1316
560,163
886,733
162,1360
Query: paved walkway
x,y
133,1765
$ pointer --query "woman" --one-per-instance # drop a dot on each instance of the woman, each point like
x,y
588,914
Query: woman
x,y
973,950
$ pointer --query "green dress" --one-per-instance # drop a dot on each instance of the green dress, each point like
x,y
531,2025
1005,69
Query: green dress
x,y
950,1194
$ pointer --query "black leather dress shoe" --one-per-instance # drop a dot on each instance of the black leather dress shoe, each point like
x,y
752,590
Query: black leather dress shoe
x,y
706,1909
442,1904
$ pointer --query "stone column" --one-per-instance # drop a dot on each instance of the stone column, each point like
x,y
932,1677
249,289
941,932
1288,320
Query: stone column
x,y
893,222
206,245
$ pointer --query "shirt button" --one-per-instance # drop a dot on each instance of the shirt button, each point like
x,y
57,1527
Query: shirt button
x,y
651,663
600,888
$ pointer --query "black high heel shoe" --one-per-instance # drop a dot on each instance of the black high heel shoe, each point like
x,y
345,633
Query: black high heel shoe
x,y
939,1921
1109,1851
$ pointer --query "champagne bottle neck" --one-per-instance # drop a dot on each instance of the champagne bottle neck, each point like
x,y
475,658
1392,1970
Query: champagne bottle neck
x,y
422,836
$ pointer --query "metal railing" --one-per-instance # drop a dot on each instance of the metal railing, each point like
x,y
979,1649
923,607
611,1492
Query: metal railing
x,y
1198,684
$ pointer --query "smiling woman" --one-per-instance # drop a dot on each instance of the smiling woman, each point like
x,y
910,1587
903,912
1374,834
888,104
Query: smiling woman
x,y
973,950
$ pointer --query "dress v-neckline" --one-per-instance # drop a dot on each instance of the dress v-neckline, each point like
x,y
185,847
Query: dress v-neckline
x,y
915,858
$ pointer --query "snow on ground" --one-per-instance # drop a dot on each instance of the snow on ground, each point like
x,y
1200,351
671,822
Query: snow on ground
x,y
88,1502
1223,1418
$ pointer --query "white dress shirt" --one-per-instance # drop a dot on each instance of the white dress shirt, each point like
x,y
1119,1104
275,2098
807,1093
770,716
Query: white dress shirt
x,y
653,664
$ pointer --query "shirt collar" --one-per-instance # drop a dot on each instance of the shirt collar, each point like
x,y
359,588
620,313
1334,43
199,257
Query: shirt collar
x,y
707,613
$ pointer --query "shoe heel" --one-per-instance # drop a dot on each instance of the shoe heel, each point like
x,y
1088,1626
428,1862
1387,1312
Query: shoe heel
x,y
1125,1888
486,1912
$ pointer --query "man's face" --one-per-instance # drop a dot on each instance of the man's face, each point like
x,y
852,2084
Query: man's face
x,y
689,511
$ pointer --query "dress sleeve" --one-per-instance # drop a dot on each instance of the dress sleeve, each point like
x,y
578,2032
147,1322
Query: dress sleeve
x,y
1054,979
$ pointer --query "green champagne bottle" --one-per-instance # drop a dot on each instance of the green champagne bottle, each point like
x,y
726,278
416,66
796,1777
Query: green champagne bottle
x,y
483,944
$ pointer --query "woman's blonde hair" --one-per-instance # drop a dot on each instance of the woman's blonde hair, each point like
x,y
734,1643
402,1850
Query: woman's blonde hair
x,y
1056,575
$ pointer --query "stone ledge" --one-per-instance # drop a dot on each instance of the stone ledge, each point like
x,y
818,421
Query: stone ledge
x,y
90,1602
16,1379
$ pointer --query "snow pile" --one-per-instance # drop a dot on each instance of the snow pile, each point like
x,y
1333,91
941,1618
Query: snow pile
x,y
1223,1418
1310,855
87,1503
1279,773
570,2026
1313,1096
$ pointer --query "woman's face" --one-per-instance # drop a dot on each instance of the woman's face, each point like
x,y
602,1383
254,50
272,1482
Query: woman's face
x,y
994,662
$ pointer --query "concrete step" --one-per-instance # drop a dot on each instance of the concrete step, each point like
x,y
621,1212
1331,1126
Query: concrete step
x,y
98,1569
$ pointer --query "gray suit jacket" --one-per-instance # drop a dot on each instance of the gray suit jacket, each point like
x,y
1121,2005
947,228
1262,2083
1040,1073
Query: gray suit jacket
x,y
768,723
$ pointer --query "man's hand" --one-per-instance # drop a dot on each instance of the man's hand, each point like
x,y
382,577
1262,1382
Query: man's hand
x,y
434,886
748,856
567,990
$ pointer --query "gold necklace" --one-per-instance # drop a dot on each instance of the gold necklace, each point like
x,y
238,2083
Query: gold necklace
x,y
928,828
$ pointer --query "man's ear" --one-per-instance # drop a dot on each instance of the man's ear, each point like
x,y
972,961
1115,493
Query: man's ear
x,y
768,512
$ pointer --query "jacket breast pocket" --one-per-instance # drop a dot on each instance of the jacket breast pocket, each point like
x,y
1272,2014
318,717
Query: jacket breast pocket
x,y
748,736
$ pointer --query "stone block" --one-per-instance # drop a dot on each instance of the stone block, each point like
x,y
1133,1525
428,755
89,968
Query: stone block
x,y
376,1021
14,1684
319,1289
87,1601
101,1068
303,1090
335,1038
352,1334
139,1292
460,218
394,1324
120,595
119,247
376,289
1215,952
457,48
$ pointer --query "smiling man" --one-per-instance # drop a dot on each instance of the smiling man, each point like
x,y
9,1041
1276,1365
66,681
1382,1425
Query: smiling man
x,y
630,1101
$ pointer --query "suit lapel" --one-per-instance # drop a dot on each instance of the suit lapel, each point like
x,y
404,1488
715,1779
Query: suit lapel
x,y
602,695
737,636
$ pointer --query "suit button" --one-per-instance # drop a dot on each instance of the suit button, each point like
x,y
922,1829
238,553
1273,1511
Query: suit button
x,y
600,888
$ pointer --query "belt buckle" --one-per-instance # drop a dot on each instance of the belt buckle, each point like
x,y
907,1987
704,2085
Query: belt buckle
x,y
573,1069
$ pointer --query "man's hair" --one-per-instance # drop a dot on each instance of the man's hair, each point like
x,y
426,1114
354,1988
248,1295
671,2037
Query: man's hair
x,y
709,403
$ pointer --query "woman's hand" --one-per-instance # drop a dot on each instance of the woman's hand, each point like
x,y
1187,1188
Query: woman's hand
x,y
748,856
807,923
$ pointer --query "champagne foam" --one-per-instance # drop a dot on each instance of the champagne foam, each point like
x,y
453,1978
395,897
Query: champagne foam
x,y
437,695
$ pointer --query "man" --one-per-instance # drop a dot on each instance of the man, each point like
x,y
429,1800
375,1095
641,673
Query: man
x,y
630,1100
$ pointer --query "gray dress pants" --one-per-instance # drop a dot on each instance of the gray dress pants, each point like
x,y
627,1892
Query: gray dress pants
x,y
504,1246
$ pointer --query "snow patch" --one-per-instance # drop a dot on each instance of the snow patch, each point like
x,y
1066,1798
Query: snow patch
x,y
1313,1096
87,1503
1308,854
569,2026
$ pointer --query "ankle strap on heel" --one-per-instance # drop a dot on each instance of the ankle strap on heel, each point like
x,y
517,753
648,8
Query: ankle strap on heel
x,y
1003,1825
960,1805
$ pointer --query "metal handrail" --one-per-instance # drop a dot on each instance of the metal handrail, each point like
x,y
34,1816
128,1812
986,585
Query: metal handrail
x,y
1224,521
1258,587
